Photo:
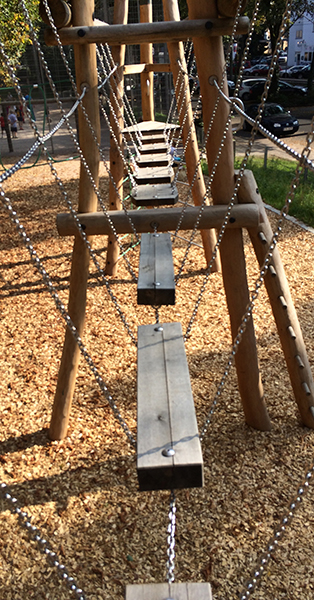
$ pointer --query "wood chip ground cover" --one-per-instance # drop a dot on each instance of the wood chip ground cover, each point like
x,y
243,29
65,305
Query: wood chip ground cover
x,y
82,492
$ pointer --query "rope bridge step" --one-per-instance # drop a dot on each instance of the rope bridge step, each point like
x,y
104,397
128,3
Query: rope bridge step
x,y
154,160
155,195
167,591
154,175
149,127
153,138
154,148
156,286
169,451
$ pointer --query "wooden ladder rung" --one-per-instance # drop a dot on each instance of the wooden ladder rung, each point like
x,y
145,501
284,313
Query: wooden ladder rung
x,y
154,160
163,591
155,195
156,284
154,175
157,148
169,453
153,138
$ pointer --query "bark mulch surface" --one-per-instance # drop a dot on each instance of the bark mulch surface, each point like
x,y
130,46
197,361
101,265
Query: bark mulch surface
x,y
82,492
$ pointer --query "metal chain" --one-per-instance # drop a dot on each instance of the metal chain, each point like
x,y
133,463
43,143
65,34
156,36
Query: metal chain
x,y
70,129
43,545
243,164
171,538
272,545
74,214
64,314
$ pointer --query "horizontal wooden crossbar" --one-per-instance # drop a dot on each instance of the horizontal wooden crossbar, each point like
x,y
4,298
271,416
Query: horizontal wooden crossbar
x,y
136,33
244,215
146,68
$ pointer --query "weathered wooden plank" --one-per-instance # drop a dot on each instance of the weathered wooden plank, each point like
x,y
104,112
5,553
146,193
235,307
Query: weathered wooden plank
x,y
150,127
153,138
162,591
161,148
166,415
154,160
146,175
245,215
155,284
155,195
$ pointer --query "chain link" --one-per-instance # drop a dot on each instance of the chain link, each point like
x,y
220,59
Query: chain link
x,y
171,538
272,545
43,545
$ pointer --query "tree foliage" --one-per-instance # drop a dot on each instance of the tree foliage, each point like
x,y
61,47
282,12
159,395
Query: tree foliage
x,y
15,32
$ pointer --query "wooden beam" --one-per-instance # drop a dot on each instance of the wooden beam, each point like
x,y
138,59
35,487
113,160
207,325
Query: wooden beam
x,y
137,33
231,247
282,305
169,453
120,15
145,67
190,143
146,56
166,220
155,285
161,591
228,8
86,73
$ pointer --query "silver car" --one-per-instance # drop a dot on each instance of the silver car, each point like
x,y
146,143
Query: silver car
x,y
244,91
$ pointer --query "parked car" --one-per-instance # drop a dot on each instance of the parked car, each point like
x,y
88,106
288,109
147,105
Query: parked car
x,y
296,72
275,118
244,91
283,88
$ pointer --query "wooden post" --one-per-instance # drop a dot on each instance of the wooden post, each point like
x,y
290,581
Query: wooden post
x,y
147,77
176,53
282,305
120,16
86,73
231,249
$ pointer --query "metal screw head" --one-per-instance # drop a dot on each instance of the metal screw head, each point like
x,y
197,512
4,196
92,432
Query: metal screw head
x,y
158,328
168,452
157,283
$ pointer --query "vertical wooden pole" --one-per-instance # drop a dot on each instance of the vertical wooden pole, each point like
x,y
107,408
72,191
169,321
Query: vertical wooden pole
x,y
120,16
210,61
86,73
176,53
146,53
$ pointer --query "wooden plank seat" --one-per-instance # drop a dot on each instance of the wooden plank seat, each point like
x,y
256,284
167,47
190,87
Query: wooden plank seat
x,y
169,453
160,148
155,285
164,591
146,175
161,194
153,138
154,160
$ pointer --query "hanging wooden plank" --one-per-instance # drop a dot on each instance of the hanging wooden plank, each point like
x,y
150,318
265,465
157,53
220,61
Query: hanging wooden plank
x,y
162,591
159,148
147,127
154,160
168,446
155,285
155,195
154,175
153,138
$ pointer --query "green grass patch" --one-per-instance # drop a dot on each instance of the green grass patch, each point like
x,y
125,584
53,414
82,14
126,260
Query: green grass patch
x,y
274,184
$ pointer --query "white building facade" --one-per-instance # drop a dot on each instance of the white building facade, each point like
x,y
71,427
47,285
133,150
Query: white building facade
x,y
301,41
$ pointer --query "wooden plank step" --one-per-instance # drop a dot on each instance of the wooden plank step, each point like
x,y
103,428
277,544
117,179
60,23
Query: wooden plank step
x,y
163,194
154,160
146,175
163,591
159,148
168,448
154,138
148,127
155,286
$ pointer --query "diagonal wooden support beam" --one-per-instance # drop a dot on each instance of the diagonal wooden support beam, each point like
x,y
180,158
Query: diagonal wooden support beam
x,y
282,306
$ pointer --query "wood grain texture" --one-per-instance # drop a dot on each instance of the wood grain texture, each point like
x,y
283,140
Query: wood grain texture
x,y
155,284
166,415
162,591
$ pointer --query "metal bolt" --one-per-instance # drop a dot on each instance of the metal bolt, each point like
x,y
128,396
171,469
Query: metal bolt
x,y
158,328
168,452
